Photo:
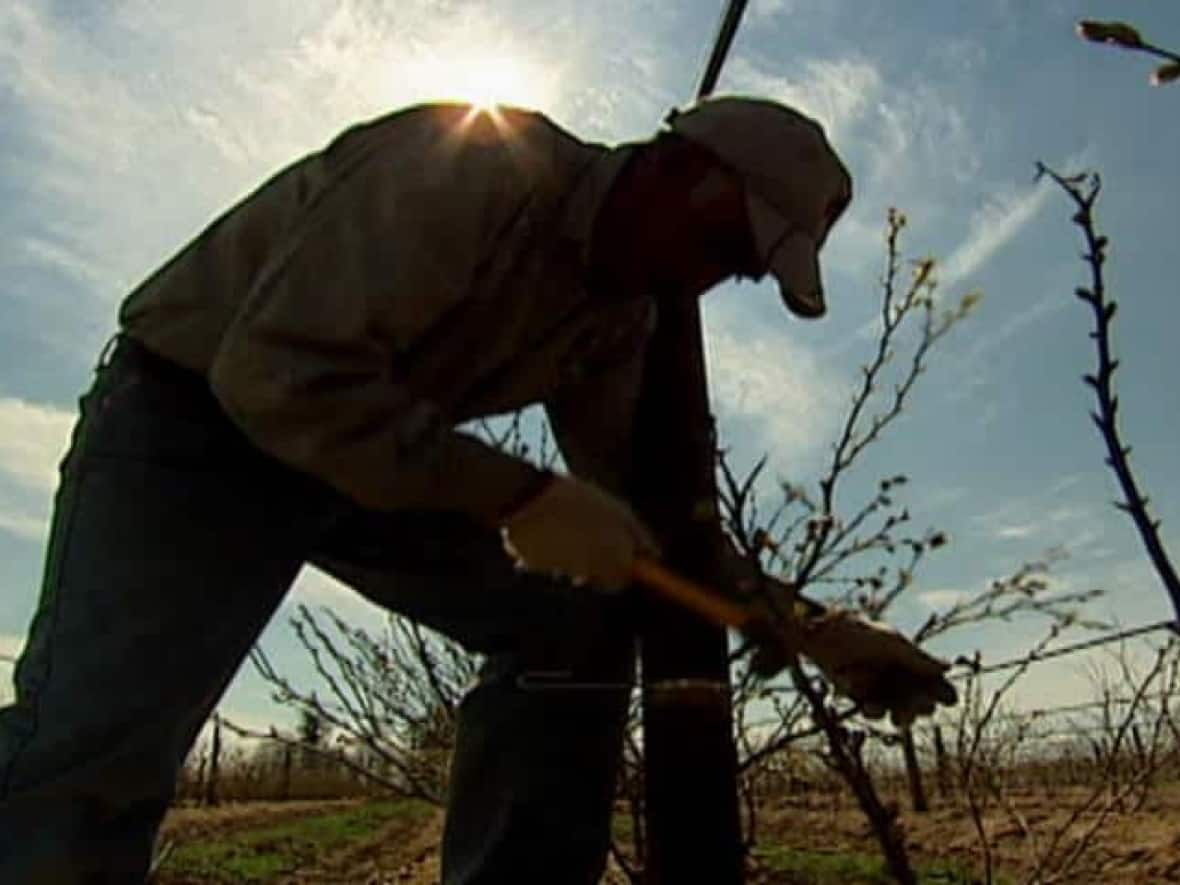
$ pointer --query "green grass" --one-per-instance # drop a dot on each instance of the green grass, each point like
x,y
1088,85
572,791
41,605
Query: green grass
x,y
850,868
832,868
261,854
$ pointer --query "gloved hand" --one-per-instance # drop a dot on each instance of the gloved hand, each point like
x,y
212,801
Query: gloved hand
x,y
870,663
574,529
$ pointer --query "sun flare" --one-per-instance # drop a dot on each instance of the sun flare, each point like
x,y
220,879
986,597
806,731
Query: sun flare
x,y
487,80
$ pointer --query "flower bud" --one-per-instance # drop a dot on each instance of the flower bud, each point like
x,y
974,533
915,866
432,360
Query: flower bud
x,y
1165,73
1118,33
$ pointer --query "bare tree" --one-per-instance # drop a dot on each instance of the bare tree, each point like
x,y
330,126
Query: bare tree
x,y
990,752
851,556
391,699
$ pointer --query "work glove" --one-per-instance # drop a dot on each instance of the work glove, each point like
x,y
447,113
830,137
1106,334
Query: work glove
x,y
575,530
870,663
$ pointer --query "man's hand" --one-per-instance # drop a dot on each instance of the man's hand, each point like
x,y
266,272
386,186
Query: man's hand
x,y
870,663
574,529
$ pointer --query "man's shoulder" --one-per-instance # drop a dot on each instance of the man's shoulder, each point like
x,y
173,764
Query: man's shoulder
x,y
454,128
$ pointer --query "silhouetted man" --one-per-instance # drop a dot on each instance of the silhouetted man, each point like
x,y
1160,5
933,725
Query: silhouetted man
x,y
287,390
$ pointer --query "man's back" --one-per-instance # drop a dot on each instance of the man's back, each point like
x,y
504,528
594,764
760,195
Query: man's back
x,y
424,269
409,202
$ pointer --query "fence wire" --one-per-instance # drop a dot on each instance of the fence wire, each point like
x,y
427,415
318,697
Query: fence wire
x,y
1095,642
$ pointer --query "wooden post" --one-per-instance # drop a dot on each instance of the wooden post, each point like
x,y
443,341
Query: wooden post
x,y
941,766
692,827
913,772
210,797
287,754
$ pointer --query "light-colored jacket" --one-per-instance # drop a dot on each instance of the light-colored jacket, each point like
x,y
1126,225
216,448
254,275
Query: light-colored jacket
x,y
425,269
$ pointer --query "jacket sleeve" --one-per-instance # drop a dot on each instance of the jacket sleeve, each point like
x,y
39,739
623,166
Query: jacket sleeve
x,y
307,367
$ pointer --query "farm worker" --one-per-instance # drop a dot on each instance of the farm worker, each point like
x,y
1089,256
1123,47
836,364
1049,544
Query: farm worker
x,y
289,389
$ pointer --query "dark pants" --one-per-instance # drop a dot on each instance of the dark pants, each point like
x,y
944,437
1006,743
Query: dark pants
x,y
173,542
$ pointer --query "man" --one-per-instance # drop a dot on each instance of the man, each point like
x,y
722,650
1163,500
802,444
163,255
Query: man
x,y
287,389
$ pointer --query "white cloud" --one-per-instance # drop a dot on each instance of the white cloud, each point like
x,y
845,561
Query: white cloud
x,y
959,54
941,497
24,526
908,142
67,258
316,589
766,376
33,439
11,645
1072,524
921,143
761,10
223,110
939,600
1015,532
836,92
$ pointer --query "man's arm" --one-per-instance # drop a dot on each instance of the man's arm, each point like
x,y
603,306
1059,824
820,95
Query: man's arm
x,y
594,424
594,421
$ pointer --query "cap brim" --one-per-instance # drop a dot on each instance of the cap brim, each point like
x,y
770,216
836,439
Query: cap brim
x,y
795,264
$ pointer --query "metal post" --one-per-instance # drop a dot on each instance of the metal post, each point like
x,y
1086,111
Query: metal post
x,y
691,807
692,822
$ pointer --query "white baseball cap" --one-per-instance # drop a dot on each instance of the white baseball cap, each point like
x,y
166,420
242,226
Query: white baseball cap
x,y
796,186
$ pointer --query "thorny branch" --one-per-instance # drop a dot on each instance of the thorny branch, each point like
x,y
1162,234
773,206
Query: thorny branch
x,y
1084,190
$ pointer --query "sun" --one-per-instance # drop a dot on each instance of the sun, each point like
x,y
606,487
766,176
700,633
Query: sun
x,y
487,79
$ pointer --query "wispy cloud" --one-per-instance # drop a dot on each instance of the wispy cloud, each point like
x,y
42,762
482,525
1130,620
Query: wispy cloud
x,y
993,226
1043,518
972,369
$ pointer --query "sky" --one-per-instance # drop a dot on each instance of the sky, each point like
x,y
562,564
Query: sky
x,y
130,125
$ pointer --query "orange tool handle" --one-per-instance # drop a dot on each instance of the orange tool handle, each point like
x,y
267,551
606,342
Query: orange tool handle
x,y
689,594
